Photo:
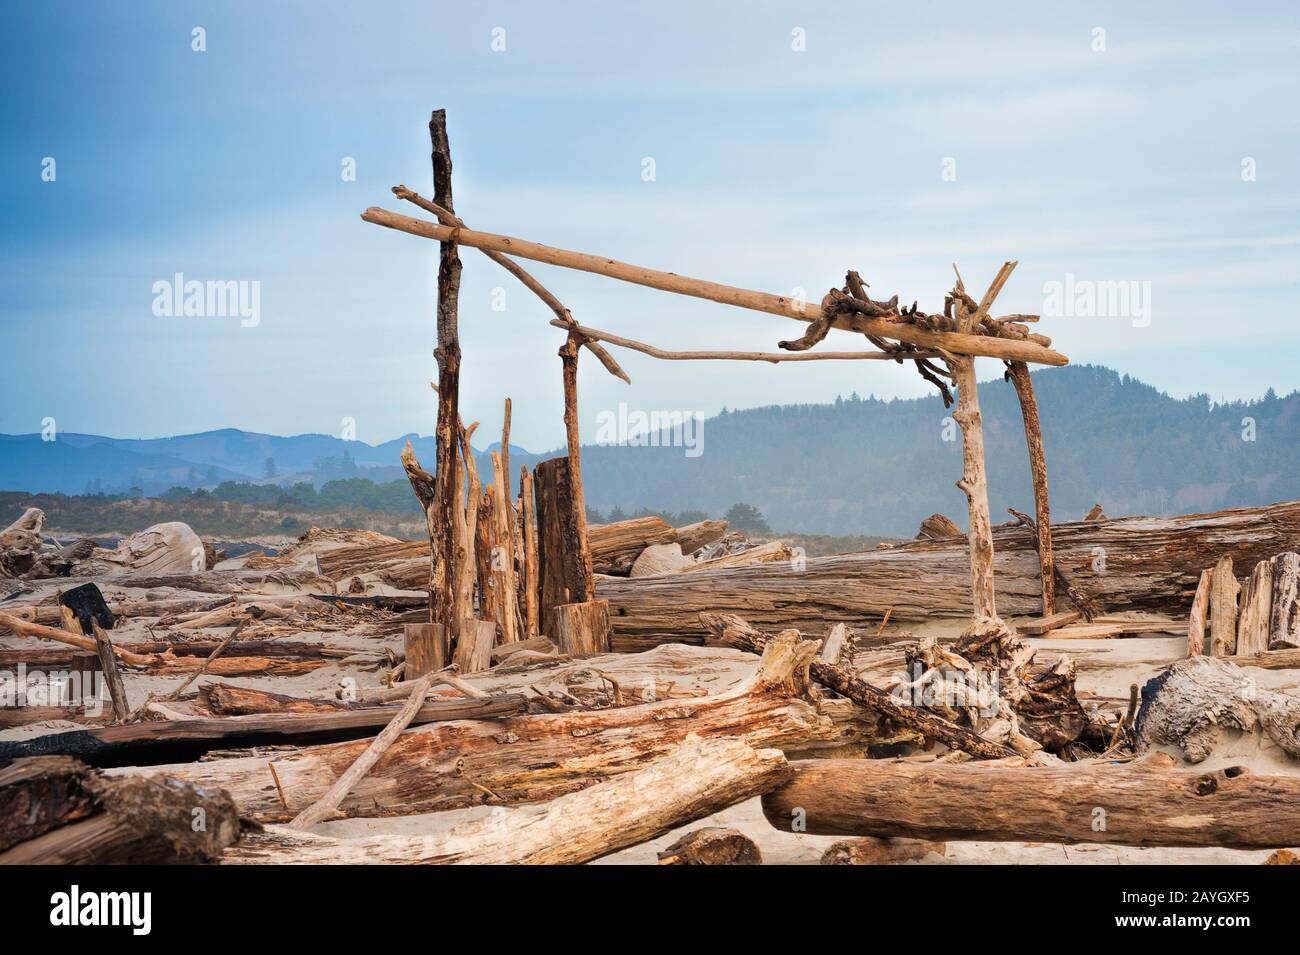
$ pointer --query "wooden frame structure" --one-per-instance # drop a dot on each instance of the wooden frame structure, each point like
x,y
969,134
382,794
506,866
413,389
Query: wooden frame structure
x,y
942,346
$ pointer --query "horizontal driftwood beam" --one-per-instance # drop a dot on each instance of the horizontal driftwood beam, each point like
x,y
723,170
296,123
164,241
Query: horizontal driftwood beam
x,y
956,342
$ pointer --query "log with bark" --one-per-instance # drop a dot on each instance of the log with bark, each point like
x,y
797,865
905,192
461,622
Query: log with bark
x,y
694,779
1151,563
57,811
527,758
712,845
1147,802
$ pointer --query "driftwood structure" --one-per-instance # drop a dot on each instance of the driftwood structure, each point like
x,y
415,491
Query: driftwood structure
x,y
586,688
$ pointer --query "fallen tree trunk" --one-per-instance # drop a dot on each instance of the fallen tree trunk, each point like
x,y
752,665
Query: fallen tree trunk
x,y
695,780
1152,563
57,811
1143,803
524,758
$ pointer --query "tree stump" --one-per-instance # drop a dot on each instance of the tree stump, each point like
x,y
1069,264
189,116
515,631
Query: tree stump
x,y
581,629
424,649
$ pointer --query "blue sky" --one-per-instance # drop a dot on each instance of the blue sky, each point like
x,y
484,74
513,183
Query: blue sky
x,y
775,169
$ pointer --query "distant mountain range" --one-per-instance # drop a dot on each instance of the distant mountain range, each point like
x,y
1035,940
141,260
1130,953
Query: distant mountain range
x,y
855,466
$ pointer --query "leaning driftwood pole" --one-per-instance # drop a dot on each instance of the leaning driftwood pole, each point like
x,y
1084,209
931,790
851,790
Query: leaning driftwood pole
x,y
1018,373
803,311
328,804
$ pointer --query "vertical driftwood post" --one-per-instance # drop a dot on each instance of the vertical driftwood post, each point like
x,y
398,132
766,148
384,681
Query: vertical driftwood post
x,y
577,499
559,566
503,553
447,355
1223,608
986,626
1018,372
529,580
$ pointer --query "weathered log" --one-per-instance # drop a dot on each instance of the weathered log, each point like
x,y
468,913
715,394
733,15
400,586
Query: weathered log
x,y
869,850
581,629
56,811
696,779
615,547
1151,563
112,676
525,758
1143,803
1284,618
1192,703
712,846
1256,607
1223,609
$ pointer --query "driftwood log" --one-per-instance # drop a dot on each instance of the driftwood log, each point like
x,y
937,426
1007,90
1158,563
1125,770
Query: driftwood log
x,y
57,811
525,758
1144,803
695,779
1151,563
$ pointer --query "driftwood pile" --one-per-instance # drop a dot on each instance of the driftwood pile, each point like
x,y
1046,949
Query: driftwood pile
x,y
589,689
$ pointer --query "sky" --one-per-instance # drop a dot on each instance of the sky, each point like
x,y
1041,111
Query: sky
x,y
771,146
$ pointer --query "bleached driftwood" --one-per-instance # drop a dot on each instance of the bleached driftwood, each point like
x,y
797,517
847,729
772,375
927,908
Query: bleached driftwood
x,y
526,758
1197,699
695,779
